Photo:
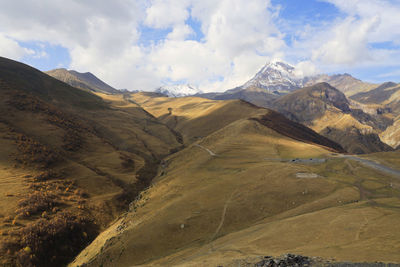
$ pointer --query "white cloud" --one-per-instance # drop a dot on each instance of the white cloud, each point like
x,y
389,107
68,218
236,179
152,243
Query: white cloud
x,y
11,49
349,44
235,33
306,68
166,13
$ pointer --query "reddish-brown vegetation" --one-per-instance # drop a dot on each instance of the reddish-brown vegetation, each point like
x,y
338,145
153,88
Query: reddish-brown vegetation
x,y
33,152
50,242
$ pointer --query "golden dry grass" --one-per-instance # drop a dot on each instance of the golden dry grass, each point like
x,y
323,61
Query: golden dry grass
x,y
204,210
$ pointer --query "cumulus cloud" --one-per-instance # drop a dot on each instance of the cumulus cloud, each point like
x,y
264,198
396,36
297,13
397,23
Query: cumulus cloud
x,y
350,40
103,37
306,68
231,40
349,44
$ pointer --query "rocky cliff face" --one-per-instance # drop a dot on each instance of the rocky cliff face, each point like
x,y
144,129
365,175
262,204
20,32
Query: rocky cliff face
x,y
327,110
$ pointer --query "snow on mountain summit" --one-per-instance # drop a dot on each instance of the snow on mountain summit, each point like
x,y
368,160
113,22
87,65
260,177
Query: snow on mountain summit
x,y
276,76
179,90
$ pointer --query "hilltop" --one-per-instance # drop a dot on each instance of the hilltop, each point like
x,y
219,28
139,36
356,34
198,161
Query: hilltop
x,y
85,81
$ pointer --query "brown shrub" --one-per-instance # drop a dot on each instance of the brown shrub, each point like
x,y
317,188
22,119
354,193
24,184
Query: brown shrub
x,y
46,175
72,140
37,202
32,151
51,242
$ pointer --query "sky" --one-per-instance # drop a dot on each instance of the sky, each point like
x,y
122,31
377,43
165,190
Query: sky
x,y
212,45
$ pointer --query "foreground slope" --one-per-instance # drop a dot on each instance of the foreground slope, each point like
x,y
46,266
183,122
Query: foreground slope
x,y
71,162
249,189
327,110
85,81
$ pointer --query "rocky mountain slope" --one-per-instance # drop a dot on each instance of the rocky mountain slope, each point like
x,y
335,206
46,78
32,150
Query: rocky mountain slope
x,y
85,81
327,110
391,135
71,163
387,95
345,83
277,77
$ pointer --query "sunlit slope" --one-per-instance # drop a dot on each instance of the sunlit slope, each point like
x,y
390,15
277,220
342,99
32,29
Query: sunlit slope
x,y
194,186
67,155
195,117
243,183
391,135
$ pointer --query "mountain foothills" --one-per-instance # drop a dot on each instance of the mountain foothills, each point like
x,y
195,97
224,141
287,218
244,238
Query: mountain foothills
x,y
96,177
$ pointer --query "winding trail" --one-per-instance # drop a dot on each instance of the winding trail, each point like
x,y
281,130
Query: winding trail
x,y
206,149
374,165
223,216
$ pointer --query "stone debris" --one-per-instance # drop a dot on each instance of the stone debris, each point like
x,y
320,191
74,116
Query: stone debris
x,y
293,260
306,175
285,260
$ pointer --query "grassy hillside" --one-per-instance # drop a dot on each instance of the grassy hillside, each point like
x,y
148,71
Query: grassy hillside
x,y
246,190
195,117
255,95
71,163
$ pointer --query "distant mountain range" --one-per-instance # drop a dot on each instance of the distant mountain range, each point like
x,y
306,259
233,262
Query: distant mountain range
x,y
178,90
86,81
279,78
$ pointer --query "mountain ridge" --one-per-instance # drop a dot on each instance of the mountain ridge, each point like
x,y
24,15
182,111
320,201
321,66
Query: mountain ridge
x,y
85,81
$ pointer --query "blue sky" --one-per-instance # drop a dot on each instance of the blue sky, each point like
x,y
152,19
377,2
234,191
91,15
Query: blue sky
x,y
214,45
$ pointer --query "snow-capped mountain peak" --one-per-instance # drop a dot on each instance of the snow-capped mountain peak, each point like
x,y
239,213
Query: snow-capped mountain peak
x,y
179,90
276,76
